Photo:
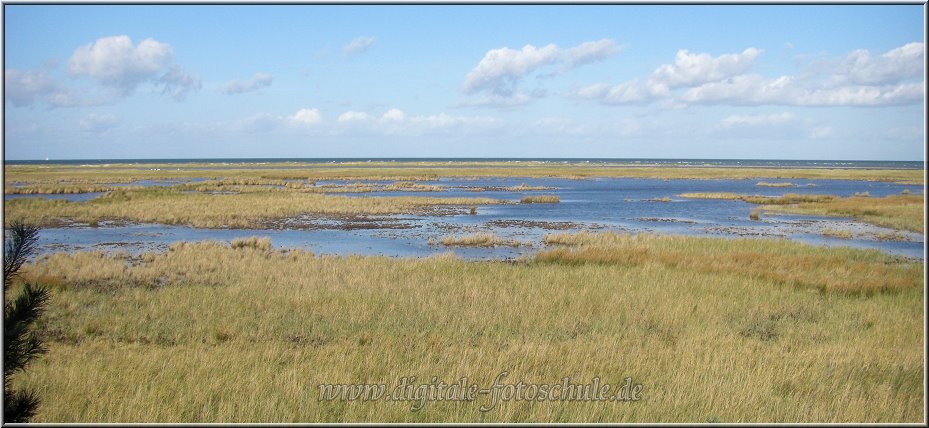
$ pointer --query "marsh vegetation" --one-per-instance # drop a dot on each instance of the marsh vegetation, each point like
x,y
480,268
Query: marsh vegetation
x,y
780,329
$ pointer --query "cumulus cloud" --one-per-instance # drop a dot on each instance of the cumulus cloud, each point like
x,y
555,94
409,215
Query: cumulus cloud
x,y
750,90
98,123
630,92
118,64
589,52
396,122
177,83
306,116
25,88
353,116
859,79
22,88
392,122
301,120
394,115
358,45
860,68
258,81
691,69
499,73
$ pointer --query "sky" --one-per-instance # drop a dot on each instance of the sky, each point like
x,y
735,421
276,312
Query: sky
x,y
838,82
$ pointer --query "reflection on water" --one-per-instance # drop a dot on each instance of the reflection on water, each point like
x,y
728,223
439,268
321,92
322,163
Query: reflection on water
x,y
619,204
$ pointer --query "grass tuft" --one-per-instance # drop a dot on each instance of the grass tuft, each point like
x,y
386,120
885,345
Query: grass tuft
x,y
540,199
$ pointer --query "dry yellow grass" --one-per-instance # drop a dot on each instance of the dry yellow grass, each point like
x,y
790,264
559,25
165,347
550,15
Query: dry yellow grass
x,y
409,186
784,262
903,212
170,206
480,239
540,199
837,233
715,329
711,195
781,184
426,171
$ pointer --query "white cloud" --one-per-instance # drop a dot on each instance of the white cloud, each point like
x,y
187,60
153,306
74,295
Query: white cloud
x,y
115,63
258,81
589,52
691,69
688,70
860,68
358,45
177,83
630,92
394,115
500,69
98,123
396,122
498,74
353,116
306,116
860,79
787,90
23,87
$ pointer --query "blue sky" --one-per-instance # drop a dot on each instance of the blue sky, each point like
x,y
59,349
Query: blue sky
x,y
174,81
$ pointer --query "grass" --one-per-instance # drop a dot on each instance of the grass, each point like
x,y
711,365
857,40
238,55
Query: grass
x,y
837,233
540,199
788,199
407,186
766,184
891,236
715,329
479,239
262,244
242,210
901,212
58,189
776,260
711,195
407,171
755,214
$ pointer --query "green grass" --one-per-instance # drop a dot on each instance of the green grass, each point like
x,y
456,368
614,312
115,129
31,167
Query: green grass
x,y
715,329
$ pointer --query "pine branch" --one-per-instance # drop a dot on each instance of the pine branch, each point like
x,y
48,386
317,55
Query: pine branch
x,y
20,345
22,243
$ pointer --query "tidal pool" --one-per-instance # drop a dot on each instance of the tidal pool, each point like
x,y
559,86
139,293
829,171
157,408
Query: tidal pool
x,y
598,204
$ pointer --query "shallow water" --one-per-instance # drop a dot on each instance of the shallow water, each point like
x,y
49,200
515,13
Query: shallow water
x,y
620,204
